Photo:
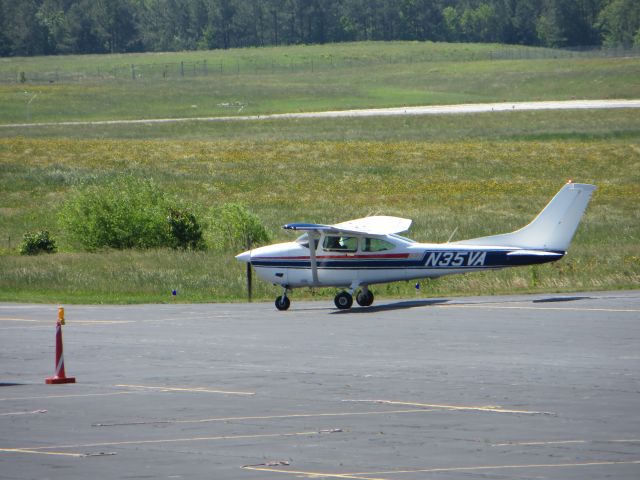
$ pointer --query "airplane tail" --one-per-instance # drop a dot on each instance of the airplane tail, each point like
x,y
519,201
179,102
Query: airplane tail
x,y
552,229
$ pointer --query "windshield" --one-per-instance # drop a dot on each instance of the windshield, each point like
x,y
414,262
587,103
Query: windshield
x,y
303,241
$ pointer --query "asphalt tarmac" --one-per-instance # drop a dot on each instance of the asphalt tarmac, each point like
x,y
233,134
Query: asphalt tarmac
x,y
513,387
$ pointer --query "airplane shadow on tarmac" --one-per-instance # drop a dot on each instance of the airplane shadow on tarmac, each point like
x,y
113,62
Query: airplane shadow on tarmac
x,y
560,299
392,306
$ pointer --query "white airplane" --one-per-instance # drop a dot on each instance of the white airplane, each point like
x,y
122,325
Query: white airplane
x,y
356,254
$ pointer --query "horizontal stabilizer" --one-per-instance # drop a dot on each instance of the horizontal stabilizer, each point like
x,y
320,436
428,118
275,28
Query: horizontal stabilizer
x,y
533,253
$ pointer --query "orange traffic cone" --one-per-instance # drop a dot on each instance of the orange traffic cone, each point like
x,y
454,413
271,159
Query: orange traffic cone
x,y
60,376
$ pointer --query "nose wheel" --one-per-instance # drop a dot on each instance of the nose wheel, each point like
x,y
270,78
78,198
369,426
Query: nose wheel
x,y
283,303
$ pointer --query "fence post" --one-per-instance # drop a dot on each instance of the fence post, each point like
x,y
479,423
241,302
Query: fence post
x,y
204,68
182,69
133,72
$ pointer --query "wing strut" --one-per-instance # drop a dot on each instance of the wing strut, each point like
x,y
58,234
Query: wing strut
x,y
312,254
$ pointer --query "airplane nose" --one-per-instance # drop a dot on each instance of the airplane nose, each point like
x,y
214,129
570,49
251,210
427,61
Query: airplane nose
x,y
244,256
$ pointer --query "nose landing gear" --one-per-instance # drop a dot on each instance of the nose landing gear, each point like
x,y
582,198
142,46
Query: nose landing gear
x,y
283,302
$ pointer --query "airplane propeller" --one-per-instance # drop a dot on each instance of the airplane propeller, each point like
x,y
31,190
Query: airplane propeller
x,y
249,271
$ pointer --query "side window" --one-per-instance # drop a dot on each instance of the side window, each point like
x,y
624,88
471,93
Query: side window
x,y
335,243
376,245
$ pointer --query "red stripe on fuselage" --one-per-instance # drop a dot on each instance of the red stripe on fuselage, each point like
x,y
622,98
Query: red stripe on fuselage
x,y
346,256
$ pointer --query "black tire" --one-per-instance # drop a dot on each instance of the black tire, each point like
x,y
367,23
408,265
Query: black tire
x,y
283,303
365,299
343,300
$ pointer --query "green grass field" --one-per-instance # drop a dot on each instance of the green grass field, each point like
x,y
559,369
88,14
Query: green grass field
x,y
479,174
360,75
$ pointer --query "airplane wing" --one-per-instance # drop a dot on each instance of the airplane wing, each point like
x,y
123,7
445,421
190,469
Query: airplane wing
x,y
374,225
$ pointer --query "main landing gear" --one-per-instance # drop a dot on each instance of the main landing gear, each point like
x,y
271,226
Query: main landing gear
x,y
365,298
344,300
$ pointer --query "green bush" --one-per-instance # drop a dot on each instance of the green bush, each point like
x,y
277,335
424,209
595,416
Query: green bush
x,y
34,243
186,232
234,227
128,212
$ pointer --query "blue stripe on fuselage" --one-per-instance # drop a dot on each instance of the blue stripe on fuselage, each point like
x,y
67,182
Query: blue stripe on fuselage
x,y
432,259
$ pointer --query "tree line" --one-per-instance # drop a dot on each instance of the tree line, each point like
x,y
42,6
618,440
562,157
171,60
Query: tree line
x,y
49,27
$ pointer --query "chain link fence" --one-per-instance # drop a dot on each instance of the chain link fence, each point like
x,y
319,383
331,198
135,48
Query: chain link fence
x,y
247,66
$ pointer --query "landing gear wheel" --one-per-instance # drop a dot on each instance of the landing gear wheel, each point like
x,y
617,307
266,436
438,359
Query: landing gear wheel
x,y
365,299
343,300
282,303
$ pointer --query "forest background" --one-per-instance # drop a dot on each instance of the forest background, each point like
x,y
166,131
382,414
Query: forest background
x,y
48,27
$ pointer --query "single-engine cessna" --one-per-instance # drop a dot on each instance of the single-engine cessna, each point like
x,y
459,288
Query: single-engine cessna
x,y
356,254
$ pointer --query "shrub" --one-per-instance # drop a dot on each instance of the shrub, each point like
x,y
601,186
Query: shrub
x,y
235,227
34,243
185,230
128,212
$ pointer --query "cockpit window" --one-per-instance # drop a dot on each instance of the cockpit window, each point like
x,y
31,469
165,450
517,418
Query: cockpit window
x,y
376,245
337,243
405,239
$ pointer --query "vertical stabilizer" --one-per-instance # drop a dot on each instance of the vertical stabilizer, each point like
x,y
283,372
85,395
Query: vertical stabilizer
x,y
553,228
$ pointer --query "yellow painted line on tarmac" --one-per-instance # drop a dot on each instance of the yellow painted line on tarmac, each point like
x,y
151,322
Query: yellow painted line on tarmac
x,y
32,451
503,467
182,389
513,307
483,408
100,322
160,441
266,417
302,473
478,468
74,322
551,442
562,442
15,319
22,413
42,397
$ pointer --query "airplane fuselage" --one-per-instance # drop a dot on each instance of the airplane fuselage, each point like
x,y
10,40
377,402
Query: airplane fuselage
x,y
289,264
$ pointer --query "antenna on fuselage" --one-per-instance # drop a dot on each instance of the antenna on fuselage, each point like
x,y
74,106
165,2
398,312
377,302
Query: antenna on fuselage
x,y
452,234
